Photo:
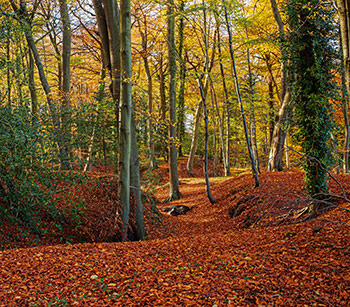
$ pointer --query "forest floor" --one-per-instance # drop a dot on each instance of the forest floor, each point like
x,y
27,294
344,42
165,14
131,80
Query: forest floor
x,y
248,249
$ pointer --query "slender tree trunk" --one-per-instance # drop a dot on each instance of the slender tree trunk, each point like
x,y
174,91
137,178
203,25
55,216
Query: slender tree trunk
x,y
346,124
252,112
174,179
66,53
103,32
254,169
206,172
228,132
182,76
279,134
99,99
113,25
203,95
150,113
135,182
163,107
271,118
287,151
18,72
31,85
144,42
344,18
195,133
221,129
281,125
8,73
214,131
198,114
162,89
126,109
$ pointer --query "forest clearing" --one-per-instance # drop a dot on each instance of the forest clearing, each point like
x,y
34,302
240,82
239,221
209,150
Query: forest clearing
x,y
174,153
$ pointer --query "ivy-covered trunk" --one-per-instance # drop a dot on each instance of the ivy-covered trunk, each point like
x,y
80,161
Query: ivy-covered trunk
x,y
309,45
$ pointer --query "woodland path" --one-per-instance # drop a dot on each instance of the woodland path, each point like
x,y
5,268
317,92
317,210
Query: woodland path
x,y
203,260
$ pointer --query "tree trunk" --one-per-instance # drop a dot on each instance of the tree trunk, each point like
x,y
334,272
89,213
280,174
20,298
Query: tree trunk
x,y
195,133
345,100
174,179
214,131
126,109
344,18
199,113
99,98
221,130
103,32
31,85
271,118
113,25
235,77
8,73
278,137
135,182
162,90
252,112
206,172
281,125
287,152
182,76
145,55
66,53
228,132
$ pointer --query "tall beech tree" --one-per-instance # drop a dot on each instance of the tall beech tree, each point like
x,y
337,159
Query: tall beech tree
x,y
310,48
281,124
174,192
239,97
182,77
126,110
66,75
344,20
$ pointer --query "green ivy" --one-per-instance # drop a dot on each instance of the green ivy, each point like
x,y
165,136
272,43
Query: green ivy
x,y
310,49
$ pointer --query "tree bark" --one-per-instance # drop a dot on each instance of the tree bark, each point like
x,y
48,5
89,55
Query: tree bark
x,y
113,26
8,73
174,179
281,125
182,77
199,112
126,109
206,171
103,32
221,130
66,75
228,132
145,55
235,76
162,89
214,131
99,99
252,112
31,85
135,182
344,18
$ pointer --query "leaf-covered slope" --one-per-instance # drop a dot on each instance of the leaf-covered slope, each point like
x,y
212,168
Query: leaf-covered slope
x,y
206,259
